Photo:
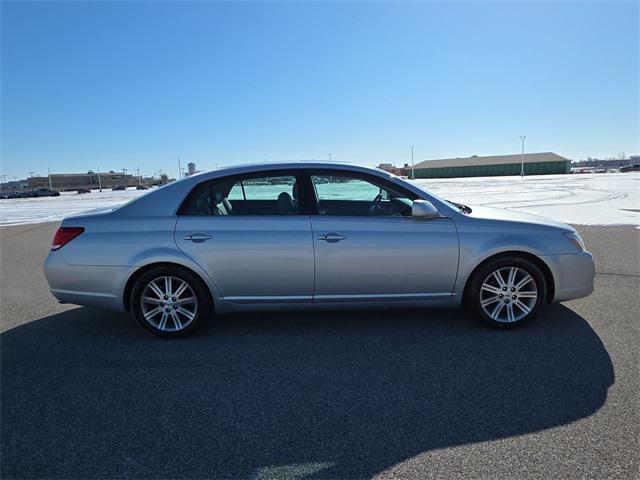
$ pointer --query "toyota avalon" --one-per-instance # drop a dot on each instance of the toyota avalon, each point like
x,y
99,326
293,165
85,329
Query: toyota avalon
x,y
311,236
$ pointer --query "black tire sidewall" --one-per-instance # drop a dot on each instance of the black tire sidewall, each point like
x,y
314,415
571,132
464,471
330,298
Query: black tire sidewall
x,y
204,300
472,299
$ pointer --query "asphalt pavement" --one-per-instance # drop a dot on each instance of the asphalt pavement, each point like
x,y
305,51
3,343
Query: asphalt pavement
x,y
389,394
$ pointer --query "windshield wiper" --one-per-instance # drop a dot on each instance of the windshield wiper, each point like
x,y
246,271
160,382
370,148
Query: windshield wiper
x,y
463,208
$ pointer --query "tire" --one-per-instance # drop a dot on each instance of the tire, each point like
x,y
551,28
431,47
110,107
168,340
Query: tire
x,y
512,302
181,304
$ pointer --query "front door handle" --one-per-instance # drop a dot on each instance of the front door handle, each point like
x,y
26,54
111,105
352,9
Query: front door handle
x,y
332,237
198,237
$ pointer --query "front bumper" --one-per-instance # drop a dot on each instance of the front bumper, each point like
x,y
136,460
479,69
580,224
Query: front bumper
x,y
573,275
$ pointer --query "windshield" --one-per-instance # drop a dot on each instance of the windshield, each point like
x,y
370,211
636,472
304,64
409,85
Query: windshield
x,y
454,205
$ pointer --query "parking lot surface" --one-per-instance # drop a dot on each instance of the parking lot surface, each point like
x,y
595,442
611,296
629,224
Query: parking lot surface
x,y
388,394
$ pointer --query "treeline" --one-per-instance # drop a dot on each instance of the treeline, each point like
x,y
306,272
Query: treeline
x,y
608,162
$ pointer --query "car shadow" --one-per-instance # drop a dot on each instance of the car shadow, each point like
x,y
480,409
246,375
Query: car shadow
x,y
298,395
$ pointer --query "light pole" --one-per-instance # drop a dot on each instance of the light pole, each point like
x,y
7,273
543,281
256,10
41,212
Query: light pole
x,y
329,157
413,175
522,137
179,169
124,176
49,175
138,171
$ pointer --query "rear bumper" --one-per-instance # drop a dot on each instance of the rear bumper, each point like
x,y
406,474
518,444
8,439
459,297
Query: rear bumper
x,y
573,275
91,286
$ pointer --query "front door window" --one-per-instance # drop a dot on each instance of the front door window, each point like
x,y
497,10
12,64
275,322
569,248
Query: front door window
x,y
350,195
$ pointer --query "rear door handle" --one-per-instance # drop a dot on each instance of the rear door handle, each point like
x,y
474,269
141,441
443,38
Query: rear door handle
x,y
198,237
332,237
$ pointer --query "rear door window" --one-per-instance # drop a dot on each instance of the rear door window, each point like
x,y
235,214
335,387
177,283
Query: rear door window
x,y
254,194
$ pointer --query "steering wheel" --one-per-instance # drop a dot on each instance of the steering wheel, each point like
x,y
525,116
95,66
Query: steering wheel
x,y
376,205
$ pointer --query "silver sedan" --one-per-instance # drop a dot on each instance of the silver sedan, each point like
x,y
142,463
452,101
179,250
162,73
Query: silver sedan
x,y
311,236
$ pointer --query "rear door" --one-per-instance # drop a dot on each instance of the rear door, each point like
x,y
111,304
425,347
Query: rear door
x,y
369,247
252,235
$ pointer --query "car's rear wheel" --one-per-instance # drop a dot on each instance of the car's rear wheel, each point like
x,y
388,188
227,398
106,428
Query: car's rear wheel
x,y
169,301
507,292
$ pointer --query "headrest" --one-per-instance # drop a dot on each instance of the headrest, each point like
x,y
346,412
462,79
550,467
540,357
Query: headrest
x,y
219,196
285,203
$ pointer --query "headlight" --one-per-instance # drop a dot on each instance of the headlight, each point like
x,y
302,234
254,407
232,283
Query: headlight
x,y
576,239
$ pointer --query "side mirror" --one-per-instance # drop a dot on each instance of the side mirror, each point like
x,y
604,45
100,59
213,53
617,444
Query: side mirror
x,y
423,209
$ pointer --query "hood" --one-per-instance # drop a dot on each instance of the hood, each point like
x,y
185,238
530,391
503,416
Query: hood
x,y
513,217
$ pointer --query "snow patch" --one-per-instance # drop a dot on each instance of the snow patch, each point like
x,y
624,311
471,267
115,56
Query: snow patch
x,y
584,199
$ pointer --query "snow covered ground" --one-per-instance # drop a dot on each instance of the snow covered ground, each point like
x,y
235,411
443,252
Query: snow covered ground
x,y
588,199
583,199
20,211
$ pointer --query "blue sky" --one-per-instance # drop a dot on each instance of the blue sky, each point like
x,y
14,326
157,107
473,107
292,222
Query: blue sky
x,y
125,85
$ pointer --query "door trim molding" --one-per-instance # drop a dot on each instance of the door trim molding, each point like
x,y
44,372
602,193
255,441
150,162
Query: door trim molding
x,y
269,299
382,297
375,297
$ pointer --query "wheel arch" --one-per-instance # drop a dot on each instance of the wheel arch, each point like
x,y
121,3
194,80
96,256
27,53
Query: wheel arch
x,y
126,297
537,261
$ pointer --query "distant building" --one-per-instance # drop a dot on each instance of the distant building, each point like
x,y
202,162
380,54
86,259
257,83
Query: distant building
x,y
400,171
191,169
73,181
496,165
14,185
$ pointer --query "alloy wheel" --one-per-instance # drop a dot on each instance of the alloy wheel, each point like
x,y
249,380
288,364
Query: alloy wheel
x,y
169,303
508,294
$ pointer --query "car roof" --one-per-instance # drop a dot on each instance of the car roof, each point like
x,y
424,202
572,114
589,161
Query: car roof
x,y
284,165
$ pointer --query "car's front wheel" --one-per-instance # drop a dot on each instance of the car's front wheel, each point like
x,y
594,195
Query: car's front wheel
x,y
169,301
506,292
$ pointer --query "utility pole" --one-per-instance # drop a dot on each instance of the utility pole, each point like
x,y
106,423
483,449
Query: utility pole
x,y
413,175
124,176
329,157
49,175
179,169
522,137
99,179
138,171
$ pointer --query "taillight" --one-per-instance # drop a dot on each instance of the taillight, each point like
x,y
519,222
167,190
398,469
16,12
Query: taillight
x,y
64,235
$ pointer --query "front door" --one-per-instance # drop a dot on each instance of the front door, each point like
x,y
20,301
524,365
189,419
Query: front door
x,y
248,234
369,247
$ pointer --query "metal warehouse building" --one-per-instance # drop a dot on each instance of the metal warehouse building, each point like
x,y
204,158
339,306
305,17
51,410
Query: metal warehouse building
x,y
534,164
